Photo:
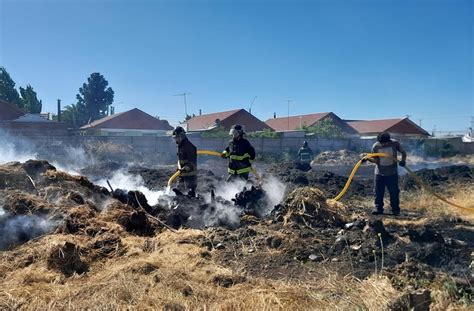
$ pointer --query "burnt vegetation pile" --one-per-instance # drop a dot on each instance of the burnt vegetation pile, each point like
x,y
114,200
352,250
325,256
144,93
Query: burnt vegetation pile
x,y
441,177
290,173
85,224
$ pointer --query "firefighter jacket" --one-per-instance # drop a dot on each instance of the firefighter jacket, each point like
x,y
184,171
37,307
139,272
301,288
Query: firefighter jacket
x,y
187,158
305,154
241,154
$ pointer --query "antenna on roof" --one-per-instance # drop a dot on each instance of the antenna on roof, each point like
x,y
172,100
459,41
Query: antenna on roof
x,y
185,106
250,109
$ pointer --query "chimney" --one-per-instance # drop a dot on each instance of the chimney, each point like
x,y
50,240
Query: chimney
x,y
274,115
59,110
200,112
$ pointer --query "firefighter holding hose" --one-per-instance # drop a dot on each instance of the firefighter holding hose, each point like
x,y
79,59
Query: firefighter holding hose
x,y
187,161
386,172
240,153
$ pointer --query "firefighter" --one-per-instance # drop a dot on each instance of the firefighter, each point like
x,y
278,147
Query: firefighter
x,y
305,154
240,153
187,161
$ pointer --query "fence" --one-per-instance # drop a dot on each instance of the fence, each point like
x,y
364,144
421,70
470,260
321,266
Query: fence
x,y
165,145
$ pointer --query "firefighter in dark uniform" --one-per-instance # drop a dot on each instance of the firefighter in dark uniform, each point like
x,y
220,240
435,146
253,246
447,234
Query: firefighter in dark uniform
x,y
305,154
240,153
187,162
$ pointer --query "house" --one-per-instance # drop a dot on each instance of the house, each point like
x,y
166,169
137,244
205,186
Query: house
x,y
403,127
9,111
293,123
129,123
15,122
225,120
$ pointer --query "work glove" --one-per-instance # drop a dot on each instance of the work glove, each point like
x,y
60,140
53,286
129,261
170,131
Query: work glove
x,y
223,155
184,169
402,163
363,160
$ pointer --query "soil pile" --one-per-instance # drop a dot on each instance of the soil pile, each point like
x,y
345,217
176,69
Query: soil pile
x,y
340,157
302,237
440,177
308,206
330,183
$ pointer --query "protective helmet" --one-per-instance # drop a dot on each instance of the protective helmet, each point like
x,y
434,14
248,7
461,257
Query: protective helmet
x,y
236,129
383,137
179,131
305,144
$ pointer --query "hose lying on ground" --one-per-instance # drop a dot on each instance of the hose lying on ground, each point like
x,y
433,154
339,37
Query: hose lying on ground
x,y
211,153
417,179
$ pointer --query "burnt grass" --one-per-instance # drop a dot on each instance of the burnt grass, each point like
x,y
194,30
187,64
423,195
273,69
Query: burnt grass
x,y
301,239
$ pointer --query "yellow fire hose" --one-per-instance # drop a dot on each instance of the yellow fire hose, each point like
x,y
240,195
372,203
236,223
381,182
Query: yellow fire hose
x,y
211,153
173,178
417,179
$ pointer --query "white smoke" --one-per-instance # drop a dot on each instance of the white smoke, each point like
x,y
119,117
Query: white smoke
x,y
130,182
17,229
15,149
229,214
75,159
228,190
275,192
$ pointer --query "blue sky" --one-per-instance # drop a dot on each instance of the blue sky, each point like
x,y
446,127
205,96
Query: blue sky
x,y
358,59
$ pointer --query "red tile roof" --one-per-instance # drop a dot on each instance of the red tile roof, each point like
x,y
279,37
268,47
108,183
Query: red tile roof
x,y
9,111
400,126
206,121
281,124
134,119
227,119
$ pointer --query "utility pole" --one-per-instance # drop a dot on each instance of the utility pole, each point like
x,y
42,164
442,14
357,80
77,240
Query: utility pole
x,y
288,101
250,109
185,106
59,110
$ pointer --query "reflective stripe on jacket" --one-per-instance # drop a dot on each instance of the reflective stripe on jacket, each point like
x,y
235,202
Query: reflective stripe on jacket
x,y
305,154
241,154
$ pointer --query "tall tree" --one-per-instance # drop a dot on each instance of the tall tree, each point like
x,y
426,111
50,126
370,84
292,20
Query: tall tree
x,y
30,102
7,88
94,98
73,116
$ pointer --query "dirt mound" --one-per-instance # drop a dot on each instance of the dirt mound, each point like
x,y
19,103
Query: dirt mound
x,y
329,182
107,151
155,178
308,206
198,212
37,199
66,259
340,157
440,177
302,241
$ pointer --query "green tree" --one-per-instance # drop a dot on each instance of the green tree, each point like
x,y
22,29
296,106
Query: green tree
x,y
73,116
266,133
217,132
94,99
7,88
29,100
325,127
